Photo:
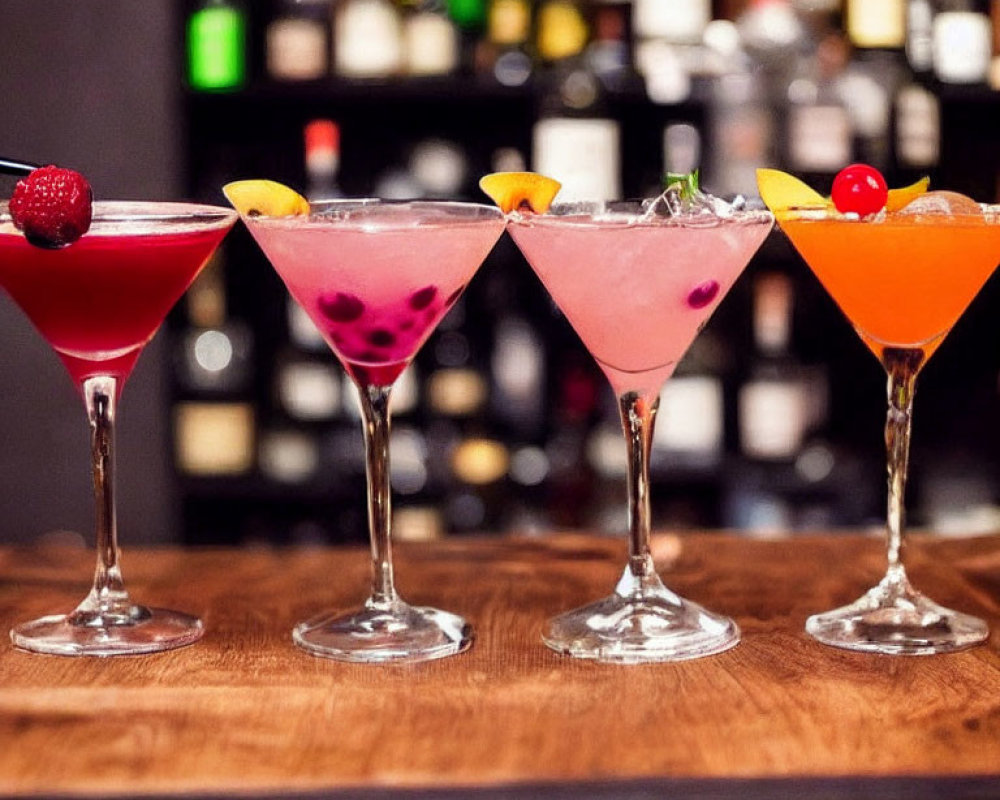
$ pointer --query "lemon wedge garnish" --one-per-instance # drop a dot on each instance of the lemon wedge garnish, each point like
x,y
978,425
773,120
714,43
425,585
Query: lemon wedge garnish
x,y
265,198
782,192
512,190
899,198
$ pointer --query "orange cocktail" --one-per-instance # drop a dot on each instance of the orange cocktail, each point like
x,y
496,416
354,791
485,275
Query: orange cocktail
x,y
903,266
904,281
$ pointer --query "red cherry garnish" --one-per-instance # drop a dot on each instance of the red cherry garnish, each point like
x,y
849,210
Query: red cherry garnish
x,y
861,189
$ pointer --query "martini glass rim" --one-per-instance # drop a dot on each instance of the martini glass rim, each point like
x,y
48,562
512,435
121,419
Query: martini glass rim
x,y
632,213
988,213
161,215
362,210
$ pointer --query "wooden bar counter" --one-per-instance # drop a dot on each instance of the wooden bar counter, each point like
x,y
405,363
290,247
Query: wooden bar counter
x,y
244,713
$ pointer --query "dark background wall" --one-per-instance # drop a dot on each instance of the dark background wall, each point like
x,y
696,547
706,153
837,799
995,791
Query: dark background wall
x,y
92,86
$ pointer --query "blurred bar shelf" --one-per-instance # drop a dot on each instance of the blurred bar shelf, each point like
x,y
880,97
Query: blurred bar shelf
x,y
244,713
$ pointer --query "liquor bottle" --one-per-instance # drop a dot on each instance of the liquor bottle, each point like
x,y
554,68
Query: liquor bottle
x,y
742,128
368,39
918,128
469,16
297,41
215,353
920,36
561,30
773,404
664,35
820,129
517,370
690,426
509,34
213,439
963,41
322,159
214,425
308,389
609,53
877,31
430,40
438,168
994,78
876,23
216,33
679,22
288,455
574,140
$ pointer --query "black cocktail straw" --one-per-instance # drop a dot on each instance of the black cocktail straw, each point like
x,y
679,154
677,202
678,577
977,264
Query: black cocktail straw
x,y
11,167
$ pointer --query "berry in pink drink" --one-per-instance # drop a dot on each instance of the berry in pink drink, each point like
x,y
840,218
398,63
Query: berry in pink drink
x,y
637,292
364,278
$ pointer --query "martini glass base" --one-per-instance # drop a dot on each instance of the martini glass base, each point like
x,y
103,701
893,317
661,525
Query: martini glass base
x,y
895,619
139,630
385,632
653,625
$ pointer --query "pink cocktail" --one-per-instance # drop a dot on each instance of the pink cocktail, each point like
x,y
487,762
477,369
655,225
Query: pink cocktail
x,y
637,286
376,278
98,302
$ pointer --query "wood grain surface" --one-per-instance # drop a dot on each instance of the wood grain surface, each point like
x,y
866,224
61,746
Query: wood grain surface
x,y
245,712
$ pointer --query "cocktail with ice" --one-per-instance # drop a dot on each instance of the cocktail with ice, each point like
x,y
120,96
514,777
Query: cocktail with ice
x,y
637,281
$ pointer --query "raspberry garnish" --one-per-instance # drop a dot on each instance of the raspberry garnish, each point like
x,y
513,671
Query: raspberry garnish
x,y
53,206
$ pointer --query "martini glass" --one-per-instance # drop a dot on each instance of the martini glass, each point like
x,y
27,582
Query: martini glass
x,y
638,286
376,277
97,303
902,280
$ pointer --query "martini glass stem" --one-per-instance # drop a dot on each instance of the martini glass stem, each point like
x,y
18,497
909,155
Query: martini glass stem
x,y
901,366
375,415
638,415
108,600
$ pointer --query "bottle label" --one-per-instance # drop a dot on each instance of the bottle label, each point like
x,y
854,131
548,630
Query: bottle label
x,y
214,438
296,49
773,417
562,31
962,42
510,22
431,45
819,137
876,23
691,416
582,154
918,127
369,39
679,21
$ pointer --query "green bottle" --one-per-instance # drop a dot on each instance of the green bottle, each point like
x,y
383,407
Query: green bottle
x,y
216,46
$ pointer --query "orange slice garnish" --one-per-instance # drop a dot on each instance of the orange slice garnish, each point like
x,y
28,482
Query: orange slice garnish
x,y
898,198
782,193
265,198
512,191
